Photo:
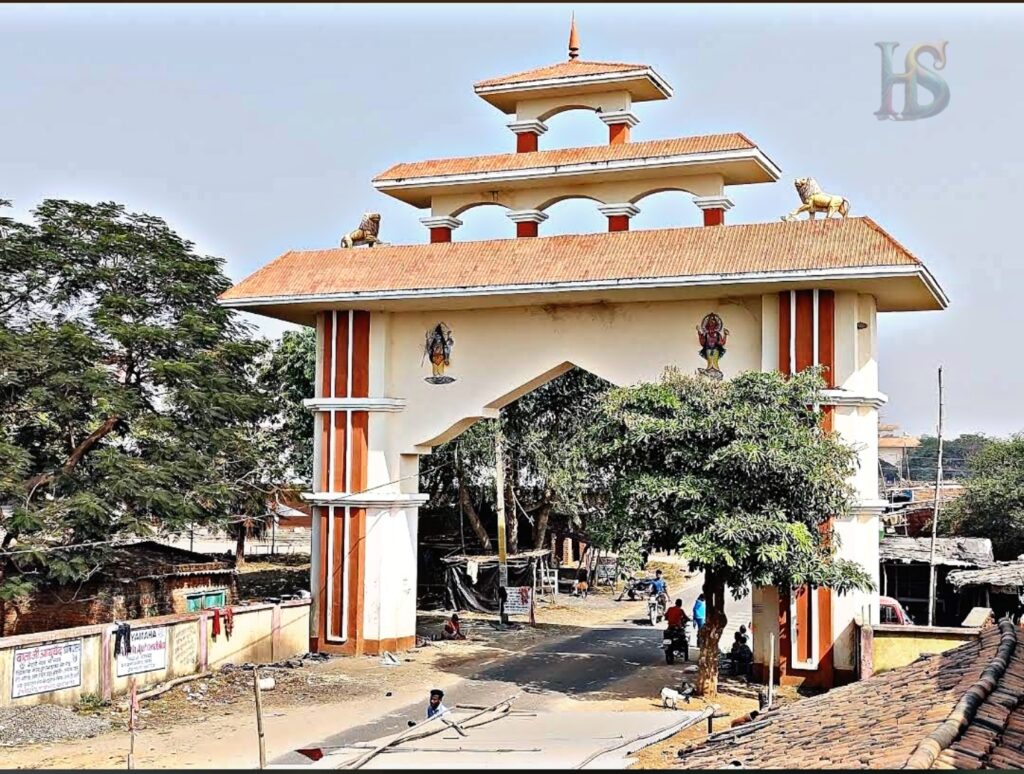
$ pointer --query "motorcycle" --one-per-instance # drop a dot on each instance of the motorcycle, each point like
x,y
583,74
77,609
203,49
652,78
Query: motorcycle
x,y
657,606
634,587
676,641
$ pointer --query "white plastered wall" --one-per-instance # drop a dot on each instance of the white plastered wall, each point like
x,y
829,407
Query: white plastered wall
x,y
500,354
389,597
541,197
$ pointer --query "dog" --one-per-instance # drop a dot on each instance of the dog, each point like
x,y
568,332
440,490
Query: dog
x,y
581,589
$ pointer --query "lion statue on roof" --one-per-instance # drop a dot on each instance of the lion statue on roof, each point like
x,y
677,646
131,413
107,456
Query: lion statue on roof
x,y
366,234
814,200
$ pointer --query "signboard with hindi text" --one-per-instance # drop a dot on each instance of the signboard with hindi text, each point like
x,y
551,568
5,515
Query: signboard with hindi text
x,y
46,668
148,652
519,600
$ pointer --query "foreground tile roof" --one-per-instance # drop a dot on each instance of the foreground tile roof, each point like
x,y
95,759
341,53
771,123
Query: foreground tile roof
x,y
570,69
949,551
502,162
960,709
542,261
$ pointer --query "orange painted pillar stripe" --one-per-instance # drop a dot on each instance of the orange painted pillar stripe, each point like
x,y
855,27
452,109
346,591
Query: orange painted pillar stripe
x,y
618,223
618,134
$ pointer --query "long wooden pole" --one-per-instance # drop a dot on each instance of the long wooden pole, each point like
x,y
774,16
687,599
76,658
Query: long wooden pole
x,y
133,703
259,716
409,735
499,486
935,515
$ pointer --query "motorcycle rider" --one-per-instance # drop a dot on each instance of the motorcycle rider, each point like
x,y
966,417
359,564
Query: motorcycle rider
x,y
658,585
675,616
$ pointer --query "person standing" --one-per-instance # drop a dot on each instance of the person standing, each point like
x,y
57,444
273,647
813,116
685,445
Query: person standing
x,y
699,614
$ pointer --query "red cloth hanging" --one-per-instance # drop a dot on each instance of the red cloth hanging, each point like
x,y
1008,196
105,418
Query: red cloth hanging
x,y
229,620
216,622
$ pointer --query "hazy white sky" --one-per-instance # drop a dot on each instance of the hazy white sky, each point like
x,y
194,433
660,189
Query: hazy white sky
x,y
256,129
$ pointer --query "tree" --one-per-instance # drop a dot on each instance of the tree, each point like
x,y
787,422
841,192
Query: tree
x,y
957,454
128,396
737,474
544,467
289,377
992,504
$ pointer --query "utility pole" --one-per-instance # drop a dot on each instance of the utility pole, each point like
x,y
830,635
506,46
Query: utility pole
x,y
935,515
499,482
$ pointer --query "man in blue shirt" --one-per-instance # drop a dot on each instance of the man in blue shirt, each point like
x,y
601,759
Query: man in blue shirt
x,y
658,585
435,706
699,614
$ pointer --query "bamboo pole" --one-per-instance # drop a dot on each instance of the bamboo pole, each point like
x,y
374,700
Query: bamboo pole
x,y
672,728
499,486
935,516
407,735
259,716
133,704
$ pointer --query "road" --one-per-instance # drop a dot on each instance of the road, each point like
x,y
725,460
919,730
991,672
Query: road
x,y
618,662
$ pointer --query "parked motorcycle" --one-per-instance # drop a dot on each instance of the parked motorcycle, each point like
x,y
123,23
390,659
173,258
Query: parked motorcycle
x,y
634,587
676,642
657,606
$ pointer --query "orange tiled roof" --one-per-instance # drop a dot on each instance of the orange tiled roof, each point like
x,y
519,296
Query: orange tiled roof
x,y
709,143
662,253
893,719
573,67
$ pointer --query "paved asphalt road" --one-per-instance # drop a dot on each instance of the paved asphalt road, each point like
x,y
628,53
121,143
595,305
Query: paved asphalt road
x,y
616,661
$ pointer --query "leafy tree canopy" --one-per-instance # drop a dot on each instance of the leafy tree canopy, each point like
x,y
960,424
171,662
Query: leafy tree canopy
x,y
737,474
992,504
127,394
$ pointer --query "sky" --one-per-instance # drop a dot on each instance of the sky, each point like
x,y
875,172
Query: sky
x,y
255,129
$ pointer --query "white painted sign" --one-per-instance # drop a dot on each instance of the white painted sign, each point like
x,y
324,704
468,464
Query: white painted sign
x,y
149,652
45,668
518,600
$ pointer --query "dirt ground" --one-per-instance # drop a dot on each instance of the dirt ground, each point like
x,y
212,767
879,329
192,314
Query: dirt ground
x,y
211,722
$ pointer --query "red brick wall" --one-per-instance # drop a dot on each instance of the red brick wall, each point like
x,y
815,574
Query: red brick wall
x,y
105,601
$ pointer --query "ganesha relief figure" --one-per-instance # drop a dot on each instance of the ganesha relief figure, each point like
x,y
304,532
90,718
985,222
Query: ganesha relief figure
x,y
712,335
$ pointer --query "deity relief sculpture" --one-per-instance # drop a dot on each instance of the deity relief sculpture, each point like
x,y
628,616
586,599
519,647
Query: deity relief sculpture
x,y
712,335
438,349
367,232
814,200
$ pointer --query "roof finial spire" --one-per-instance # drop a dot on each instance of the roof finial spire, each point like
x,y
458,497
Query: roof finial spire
x,y
574,40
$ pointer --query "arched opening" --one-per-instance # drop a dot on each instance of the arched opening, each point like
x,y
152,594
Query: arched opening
x,y
539,422
483,220
666,208
572,127
573,215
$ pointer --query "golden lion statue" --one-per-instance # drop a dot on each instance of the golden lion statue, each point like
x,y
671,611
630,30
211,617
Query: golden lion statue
x,y
815,200
367,232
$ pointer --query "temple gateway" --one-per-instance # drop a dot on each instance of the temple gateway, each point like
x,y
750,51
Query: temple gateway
x,y
416,342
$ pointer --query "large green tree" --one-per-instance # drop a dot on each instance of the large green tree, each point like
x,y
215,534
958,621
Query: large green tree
x,y
992,504
545,468
128,396
289,377
736,474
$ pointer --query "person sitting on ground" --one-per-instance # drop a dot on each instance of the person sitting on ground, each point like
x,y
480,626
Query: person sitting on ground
x,y
675,616
434,706
741,654
453,629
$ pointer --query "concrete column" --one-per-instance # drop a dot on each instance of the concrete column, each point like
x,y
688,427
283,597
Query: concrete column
x,y
618,215
527,133
619,123
441,227
714,208
527,221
